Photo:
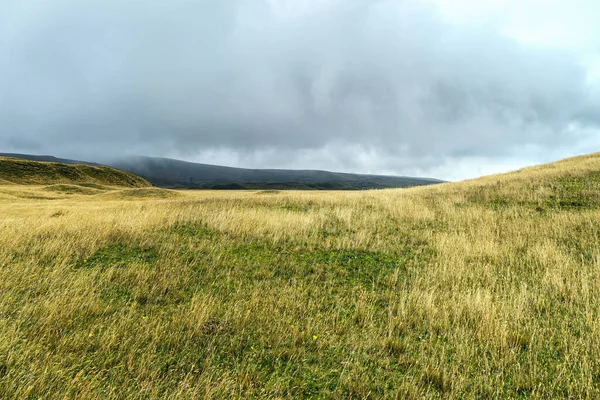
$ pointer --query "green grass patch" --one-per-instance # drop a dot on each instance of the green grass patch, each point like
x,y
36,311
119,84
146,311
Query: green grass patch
x,y
120,256
191,230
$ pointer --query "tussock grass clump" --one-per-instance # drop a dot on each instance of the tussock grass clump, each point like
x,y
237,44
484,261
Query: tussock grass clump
x,y
267,192
73,189
96,186
481,289
143,193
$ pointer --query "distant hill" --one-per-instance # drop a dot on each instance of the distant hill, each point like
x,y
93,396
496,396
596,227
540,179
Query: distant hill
x,y
171,173
20,171
176,174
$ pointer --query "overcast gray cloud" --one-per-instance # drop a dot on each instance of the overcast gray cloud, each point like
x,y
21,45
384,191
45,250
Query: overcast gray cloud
x,y
356,85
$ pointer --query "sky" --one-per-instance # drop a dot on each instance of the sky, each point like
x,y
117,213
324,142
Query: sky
x,y
450,89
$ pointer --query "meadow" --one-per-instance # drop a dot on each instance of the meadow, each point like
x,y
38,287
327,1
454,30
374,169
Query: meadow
x,y
488,288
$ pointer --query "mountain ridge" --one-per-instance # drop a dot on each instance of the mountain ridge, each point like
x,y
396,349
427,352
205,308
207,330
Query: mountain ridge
x,y
178,174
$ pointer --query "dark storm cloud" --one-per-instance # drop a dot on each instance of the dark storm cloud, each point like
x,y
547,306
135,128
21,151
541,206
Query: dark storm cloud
x,y
385,85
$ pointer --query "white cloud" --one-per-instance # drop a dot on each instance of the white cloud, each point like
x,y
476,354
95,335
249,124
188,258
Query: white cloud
x,y
570,25
449,89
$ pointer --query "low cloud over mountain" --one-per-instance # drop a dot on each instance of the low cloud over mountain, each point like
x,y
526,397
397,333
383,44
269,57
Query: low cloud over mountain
x,y
405,87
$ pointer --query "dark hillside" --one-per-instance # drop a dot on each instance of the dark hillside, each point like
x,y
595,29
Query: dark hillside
x,y
171,173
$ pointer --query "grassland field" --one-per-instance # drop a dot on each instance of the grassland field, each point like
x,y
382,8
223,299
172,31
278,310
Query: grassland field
x,y
487,288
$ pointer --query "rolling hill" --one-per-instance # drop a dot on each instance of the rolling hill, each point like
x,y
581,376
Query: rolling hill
x,y
176,174
19,171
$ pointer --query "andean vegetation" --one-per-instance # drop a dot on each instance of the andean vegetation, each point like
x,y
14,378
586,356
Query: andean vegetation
x,y
479,289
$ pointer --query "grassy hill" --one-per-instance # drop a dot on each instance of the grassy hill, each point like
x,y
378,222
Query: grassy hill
x,y
486,288
165,172
176,174
18,171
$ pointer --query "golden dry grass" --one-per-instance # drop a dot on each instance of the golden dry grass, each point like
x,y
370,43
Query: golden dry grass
x,y
488,288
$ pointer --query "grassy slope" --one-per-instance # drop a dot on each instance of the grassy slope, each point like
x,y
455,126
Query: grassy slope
x,y
485,288
18,171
